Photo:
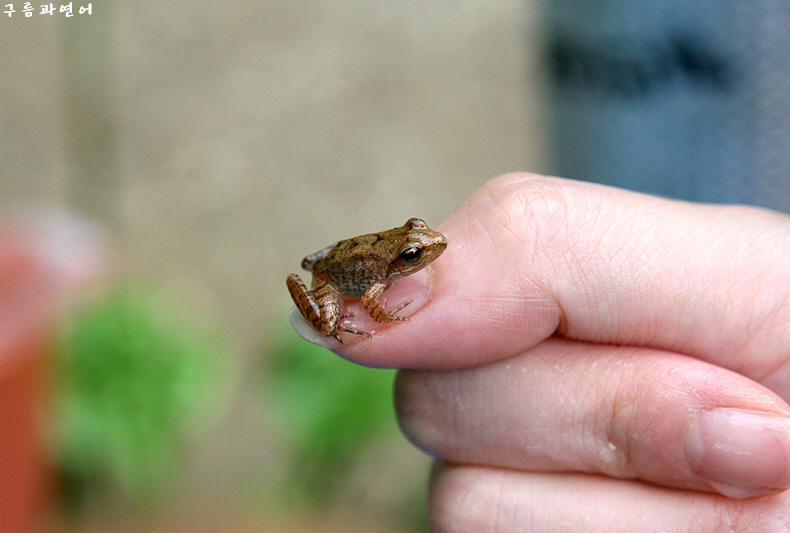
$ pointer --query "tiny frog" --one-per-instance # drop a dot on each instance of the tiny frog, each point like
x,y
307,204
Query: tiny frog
x,y
363,267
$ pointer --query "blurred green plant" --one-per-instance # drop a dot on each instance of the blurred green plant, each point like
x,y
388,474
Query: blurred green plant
x,y
137,378
328,410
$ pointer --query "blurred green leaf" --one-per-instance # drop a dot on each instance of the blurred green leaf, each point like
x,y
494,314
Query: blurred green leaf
x,y
328,409
137,378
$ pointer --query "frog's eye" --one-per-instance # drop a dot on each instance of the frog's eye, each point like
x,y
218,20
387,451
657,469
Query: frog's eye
x,y
411,254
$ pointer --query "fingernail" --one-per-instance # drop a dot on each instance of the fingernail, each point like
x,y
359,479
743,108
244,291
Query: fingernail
x,y
305,330
741,453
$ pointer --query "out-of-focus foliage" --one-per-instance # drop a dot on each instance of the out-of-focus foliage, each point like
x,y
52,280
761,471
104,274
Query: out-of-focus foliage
x,y
328,410
137,379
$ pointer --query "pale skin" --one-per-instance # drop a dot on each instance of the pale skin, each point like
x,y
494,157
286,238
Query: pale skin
x,y
595,360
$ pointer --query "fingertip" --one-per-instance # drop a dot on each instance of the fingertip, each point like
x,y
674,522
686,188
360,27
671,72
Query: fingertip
x,y
741,453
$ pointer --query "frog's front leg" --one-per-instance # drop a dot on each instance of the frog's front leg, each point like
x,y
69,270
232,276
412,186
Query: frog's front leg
x,y
379,313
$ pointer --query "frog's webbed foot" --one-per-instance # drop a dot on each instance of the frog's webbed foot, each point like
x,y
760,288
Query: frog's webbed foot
x,y
380,313
377,311
391,312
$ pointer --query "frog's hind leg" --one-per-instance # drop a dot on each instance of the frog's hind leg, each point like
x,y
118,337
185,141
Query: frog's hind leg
x,y
310,260
319,306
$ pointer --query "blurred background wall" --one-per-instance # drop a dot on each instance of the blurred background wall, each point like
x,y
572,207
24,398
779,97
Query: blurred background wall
x,y
220,142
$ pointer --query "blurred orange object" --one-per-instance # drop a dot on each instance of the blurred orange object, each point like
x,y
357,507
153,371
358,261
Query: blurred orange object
x,y
36,277
23,468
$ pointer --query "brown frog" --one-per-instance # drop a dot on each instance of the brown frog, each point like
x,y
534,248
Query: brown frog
x,y
363,267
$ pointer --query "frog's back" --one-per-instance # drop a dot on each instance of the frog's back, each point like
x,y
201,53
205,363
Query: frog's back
x,y
351,266
353,276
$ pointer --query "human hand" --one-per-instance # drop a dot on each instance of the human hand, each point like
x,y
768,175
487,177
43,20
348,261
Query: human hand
x,y
598,360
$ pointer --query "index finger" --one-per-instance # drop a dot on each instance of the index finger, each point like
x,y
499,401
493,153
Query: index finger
x,y
529,257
